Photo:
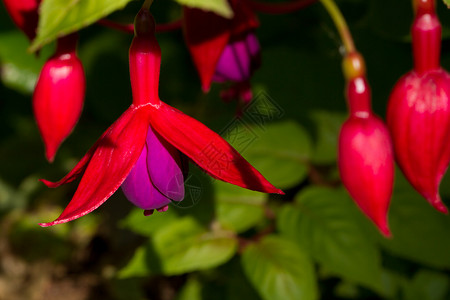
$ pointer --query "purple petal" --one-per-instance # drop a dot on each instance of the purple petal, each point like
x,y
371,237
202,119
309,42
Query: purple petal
x,y
235,62
164,166
252,44
138,188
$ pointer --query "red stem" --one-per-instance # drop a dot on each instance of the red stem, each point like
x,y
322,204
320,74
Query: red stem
x,y
129,28
279,8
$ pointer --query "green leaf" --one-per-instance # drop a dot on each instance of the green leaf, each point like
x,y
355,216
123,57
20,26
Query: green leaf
x,y
329,226
147,226
427,285
220,7
180,247
447,2
138,265
185,246
192,290
238,209
59,17
279,269
327,127
19,69
280,151
420,233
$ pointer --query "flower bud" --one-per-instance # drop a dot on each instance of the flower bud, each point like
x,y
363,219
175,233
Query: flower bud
x,y
418,112
24,14
58,95
365,156
418,117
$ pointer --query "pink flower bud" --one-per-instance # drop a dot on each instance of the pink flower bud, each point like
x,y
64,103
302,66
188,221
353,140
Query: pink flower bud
x,y
365,156
418,117
418,113
24,14
58,95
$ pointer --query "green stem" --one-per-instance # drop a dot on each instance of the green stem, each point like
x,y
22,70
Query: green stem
x,y
340,24
147,4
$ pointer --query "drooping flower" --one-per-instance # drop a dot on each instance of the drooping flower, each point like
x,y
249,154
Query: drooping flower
x,y
157,178
418,113
365,155
24,14
59,94
227,51
146,138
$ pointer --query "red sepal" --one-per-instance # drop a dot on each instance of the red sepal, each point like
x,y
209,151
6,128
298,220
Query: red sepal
x,y
206,36
207,149
24,14
107,164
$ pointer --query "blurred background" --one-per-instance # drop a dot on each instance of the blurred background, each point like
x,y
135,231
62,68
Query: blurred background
x,y
221,242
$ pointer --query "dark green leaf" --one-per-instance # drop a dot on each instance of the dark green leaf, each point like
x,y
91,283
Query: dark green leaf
x,y
280,151
180,247
428,285
238,209
327,127
185,246
279,269
59,17
420,233
327,224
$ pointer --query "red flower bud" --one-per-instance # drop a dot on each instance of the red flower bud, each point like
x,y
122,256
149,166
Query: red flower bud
x,y
24,14
418,112
365,156
58,95
419,120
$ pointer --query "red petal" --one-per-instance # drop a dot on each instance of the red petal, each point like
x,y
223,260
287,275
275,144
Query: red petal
x,y
205,42
207,149
114,155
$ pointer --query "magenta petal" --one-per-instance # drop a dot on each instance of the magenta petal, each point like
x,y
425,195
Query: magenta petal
x,y
138,188
113,157
164,166
252,44
235,62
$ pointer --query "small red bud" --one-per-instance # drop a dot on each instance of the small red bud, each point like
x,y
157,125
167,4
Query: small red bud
x,y
58,95
365,156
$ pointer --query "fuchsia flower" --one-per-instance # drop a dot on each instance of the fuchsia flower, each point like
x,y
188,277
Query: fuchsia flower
x,y
141,150
24,14
418,113
59,94
365,155
226,52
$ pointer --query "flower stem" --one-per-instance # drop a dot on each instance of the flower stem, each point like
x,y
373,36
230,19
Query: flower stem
x,y
340,24
279,8
147,4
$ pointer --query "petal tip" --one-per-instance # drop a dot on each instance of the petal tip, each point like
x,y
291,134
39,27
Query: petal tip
x,y
48,183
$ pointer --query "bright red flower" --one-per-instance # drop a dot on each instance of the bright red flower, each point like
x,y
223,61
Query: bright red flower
x,y
365,155
59,94
418,113
109,162
24,14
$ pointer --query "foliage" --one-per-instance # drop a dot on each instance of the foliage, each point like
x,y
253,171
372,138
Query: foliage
x,y
221,242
